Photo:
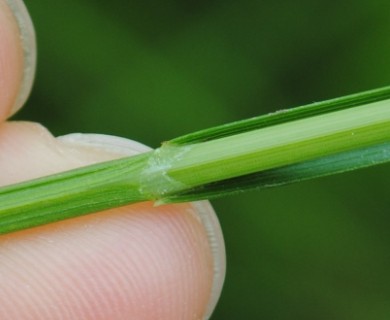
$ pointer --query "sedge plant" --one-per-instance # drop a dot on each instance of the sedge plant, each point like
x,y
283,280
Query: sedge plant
x,y
291,145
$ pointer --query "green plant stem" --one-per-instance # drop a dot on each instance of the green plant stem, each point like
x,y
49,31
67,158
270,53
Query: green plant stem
x,y
308,145
72,193
276,146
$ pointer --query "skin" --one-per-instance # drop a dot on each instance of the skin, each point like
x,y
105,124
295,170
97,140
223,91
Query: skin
x,y
136,262
11,61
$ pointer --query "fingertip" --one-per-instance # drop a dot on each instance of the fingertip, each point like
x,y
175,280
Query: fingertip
x,y
28,43
139,262
17,56
201,209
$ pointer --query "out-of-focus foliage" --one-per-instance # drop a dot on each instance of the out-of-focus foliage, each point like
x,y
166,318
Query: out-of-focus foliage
x,y
151,71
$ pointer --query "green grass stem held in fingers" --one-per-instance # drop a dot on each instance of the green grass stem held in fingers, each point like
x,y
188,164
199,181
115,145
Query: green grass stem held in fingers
x,y
297,144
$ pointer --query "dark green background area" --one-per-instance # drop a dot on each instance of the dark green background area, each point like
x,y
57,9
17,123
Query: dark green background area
x,y
151,71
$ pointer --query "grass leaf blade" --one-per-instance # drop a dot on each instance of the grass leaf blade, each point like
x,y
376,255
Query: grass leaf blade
x,y
334,164
283,116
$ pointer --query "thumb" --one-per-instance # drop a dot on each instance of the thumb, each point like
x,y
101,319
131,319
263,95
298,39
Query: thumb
x,y
17,56
136,262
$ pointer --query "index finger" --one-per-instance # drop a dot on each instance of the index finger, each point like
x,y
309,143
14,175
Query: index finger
x,y
17,56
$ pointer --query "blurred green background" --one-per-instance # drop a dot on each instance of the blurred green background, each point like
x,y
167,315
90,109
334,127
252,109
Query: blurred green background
x,y
151,71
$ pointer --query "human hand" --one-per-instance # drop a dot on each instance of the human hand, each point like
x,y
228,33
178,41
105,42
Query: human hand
x,y
136,262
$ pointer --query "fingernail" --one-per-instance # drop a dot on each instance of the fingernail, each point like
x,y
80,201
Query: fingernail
x,y
203,209
217,245
27,37
108,143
